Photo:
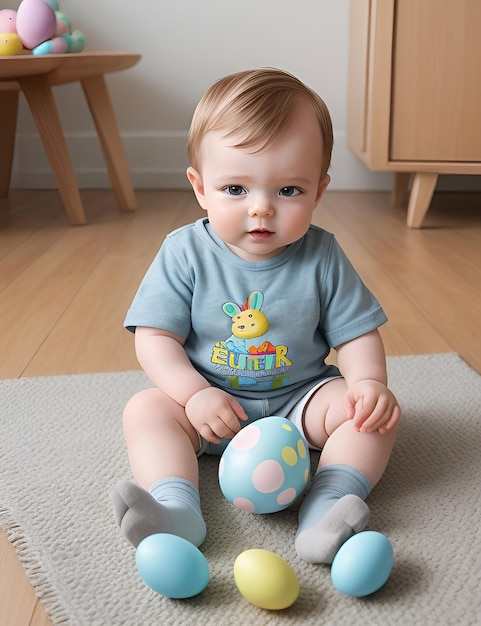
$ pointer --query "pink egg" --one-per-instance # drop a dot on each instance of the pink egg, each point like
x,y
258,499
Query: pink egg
x,y
8,20
36,22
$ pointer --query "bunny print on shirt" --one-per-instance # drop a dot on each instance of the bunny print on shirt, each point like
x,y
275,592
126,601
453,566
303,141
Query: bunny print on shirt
x,y
243,358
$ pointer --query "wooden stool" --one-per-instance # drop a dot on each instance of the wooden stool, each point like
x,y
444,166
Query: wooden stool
x,y
35,76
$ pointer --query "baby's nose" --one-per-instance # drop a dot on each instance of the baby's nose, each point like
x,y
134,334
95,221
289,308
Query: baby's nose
x,y
261,205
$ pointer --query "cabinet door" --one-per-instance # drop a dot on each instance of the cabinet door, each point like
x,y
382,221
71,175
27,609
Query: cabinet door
x,y
436,82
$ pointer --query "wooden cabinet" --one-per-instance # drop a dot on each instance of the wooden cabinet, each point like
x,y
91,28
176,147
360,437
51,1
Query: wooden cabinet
x,y
414,101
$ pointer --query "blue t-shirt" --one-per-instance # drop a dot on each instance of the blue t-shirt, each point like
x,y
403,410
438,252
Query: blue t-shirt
x,y
255,328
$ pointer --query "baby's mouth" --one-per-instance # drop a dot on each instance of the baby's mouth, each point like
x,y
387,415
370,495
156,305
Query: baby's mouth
x,y
261,234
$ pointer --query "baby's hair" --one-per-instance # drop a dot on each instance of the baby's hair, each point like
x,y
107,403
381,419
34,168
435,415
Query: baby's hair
x,y
255,105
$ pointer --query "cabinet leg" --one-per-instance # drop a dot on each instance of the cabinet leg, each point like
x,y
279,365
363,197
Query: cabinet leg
x,y
420,198
8,116
400,188
44,112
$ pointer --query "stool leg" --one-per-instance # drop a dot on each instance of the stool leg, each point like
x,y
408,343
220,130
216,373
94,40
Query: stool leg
x,y
44,112
100,105
8,117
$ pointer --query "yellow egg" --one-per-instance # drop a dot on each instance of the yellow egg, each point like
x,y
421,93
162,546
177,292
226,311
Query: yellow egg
x,y
265,579
10,44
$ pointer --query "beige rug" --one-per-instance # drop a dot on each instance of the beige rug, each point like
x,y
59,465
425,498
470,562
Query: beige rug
x,y
61,449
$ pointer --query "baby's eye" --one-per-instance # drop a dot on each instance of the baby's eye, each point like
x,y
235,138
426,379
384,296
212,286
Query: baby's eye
x,y
235,190
288,192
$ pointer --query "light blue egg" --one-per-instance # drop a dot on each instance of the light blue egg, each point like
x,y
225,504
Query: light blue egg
x,y
265,467
172,566
363,564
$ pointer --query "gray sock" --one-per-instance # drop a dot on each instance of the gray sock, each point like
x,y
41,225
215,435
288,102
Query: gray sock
x,y
333,510
172,505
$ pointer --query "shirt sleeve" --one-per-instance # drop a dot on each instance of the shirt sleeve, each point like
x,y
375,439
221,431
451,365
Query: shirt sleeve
x,y
349,309
164,297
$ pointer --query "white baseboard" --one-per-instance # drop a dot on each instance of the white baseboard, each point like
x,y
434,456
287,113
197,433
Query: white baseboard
x,y
158,160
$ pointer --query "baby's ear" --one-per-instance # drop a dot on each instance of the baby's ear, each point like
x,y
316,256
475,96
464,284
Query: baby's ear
x,y
195,180
323,186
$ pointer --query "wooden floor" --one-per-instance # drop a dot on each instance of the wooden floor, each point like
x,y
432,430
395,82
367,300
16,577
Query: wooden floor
x,y
64,291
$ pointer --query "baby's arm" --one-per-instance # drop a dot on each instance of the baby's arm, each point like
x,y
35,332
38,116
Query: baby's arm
x,y
368,401
213,412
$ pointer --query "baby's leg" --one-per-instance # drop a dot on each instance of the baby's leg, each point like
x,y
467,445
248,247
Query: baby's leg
x,y
161,445
351,463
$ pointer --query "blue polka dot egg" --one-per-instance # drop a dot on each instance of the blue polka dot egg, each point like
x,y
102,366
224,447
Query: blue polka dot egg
x,y
265,467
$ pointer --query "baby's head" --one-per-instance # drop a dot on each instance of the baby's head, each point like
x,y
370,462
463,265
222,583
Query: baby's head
x,y
254,107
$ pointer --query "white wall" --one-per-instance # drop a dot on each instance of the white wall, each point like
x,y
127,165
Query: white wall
x,y
186,45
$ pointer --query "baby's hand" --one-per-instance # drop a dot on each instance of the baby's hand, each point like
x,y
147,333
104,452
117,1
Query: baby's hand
x,y
214,414
371,406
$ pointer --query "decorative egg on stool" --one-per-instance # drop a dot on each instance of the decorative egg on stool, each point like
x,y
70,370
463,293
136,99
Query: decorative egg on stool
x,y
265,467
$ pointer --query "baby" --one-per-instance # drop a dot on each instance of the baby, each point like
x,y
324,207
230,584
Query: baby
x,y
237,314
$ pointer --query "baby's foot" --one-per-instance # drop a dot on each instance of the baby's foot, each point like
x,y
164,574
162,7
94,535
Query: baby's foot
x,y
320,543
139,515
